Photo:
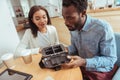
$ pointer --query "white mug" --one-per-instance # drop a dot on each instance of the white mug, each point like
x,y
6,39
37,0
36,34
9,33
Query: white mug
x,y
8,60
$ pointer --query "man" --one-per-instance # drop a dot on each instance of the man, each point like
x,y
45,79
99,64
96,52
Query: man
x,y
92,41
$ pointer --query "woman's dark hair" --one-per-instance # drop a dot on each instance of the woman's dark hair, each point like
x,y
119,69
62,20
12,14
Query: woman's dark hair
x,y
80,5
34,9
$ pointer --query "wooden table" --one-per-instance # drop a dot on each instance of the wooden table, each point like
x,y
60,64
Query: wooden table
x,y
40,74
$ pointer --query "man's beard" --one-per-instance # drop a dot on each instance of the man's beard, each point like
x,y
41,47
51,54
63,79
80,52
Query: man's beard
x,y
76,26
73,28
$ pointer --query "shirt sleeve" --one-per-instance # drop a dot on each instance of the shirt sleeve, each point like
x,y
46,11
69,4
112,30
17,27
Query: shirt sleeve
x,y
107,51
24,44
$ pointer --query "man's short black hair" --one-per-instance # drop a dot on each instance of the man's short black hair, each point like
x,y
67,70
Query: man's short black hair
x,y
80,5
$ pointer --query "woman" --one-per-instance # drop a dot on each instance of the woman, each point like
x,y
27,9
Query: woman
x,y
41,33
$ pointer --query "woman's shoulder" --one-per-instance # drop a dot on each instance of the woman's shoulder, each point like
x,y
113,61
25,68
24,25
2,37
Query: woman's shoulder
x,y
51,27
28,31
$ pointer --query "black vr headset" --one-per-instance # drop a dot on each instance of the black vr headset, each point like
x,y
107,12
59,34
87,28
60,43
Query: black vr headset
x,y
53,57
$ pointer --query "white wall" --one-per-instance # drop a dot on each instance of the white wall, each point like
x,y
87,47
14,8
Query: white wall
x,y
18,10
8,35
50,5
31,3
42,2
102,3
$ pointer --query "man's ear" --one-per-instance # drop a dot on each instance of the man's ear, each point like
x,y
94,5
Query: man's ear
x,y
84,13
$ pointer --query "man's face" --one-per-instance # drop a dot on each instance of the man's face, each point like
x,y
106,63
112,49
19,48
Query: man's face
x,y
72,19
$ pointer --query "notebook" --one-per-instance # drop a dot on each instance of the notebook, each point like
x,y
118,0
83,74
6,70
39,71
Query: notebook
x,y
10,74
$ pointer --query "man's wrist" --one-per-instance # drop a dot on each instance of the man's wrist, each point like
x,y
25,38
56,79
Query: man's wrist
x,y
84,62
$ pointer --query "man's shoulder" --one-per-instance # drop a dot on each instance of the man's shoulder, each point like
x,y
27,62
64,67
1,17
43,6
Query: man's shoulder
x,y
101,22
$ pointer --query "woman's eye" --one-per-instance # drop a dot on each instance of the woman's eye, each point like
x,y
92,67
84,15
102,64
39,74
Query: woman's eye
x,y
37,18
44,17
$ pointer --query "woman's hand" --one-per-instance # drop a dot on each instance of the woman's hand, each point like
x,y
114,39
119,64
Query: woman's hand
x,y
40,50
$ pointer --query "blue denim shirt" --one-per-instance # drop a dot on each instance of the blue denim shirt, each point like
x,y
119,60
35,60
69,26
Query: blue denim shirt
x,y
96,43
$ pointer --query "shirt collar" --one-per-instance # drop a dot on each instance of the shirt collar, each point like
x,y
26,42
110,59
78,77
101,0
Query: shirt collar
x,y
87,23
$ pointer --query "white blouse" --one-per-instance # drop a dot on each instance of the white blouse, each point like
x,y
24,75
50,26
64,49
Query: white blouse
x,y
42,40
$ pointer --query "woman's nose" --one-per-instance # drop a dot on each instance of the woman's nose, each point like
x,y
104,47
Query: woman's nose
x,y
42,20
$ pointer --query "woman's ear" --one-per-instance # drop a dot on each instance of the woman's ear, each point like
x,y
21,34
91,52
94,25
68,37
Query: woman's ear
x,y
32,20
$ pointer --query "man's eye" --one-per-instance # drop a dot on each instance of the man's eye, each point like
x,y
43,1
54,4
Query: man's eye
x,y
69,18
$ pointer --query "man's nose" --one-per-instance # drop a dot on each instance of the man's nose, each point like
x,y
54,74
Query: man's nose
x,y
67,22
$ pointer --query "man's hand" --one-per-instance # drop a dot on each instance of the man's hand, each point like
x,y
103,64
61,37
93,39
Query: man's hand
x,y
66,49
76,61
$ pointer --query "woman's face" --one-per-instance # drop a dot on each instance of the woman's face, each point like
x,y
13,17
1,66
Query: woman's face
x,y
40,19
